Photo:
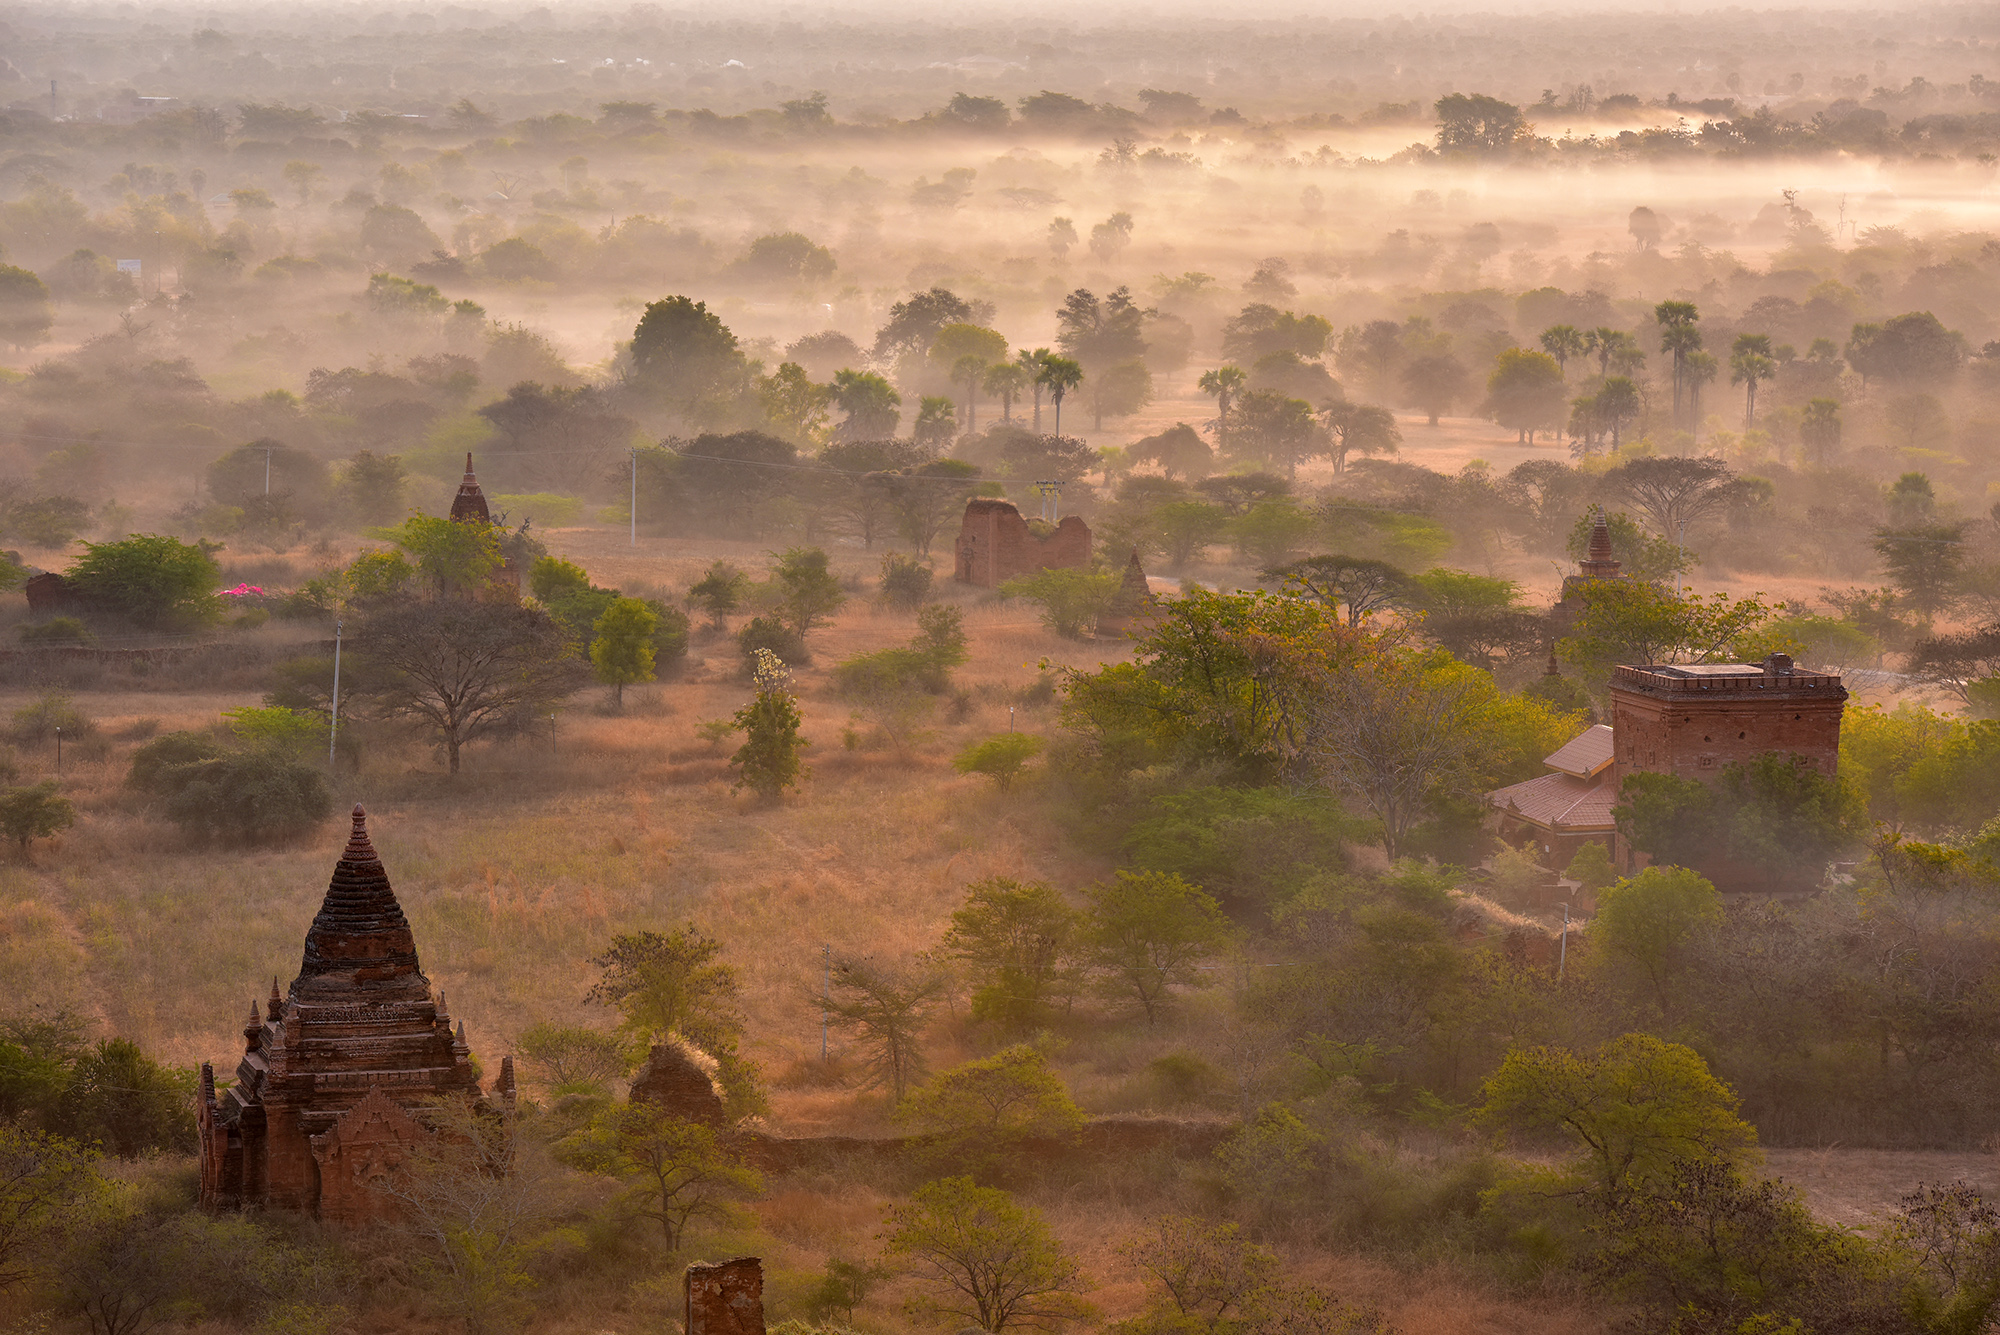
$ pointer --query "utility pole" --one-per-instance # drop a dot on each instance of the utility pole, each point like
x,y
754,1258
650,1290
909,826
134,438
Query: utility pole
x,y
825,994
552,734
333,725
267,472
1562,955
58,727
632,510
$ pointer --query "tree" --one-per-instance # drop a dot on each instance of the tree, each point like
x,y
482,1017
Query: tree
x,y
1680,337
1435,381
1152,931
1655,921
34,812
456,559
914,323
1060,375
983,1109
1674,492
769,761
674,1170
1000,758
246,797
872,405
670,985
1750,361
1788,820
987,1260
465,671
683,354
1224,384
965,351
1525,392
1005,381
1638,1108
1911,349
1924,563
1121,389
159,583
810,593
1179,451
794,403
936,420
1071,600
1101,334
572,1059
1274,429
1186,528
1359,428
1617,402
1819,430
1019,937
1957,661
1207,1271
26,313
1361,585
1562,342
622,647
1476,124
1632,621
886,1009
719,592
926,496
47,1184
472,1201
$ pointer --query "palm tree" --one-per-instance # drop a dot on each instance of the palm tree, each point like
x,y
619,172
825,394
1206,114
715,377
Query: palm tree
x,y
1701,368
1562,342
1005,381
1679,336
970,368
1750,361
1031,364
1225,383
1061,375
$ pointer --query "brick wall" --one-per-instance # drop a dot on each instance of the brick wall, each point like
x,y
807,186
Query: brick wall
x,y
995,544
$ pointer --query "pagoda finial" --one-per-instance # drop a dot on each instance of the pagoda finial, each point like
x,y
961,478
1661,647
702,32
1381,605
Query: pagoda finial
x,y
274,1006
1599,561
458,1043
358,848
468,466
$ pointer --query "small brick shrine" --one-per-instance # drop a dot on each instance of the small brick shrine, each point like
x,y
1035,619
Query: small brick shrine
x,y
995,544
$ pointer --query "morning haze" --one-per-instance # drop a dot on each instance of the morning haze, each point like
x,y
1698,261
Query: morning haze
x,y
779,671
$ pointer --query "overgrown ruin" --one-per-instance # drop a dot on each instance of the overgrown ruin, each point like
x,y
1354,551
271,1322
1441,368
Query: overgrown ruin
x,y
995,544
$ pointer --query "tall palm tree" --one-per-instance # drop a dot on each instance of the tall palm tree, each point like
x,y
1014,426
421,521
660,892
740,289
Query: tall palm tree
x,y
1562,342
1061,375
1031,362
1678,336
1750,361
1225,383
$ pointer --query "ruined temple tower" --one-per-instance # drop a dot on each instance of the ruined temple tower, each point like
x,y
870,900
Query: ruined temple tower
x,y
335,1072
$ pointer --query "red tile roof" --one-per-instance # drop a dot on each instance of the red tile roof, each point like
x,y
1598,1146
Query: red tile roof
x,y
1558,802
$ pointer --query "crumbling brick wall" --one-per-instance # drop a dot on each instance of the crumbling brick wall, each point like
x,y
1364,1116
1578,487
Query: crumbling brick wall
x,y
726,1298
995,544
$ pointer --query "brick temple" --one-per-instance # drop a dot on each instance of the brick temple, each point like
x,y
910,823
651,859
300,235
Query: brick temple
x,y
335,1073
995,544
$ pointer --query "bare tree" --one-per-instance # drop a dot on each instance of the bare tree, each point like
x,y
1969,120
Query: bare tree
x,y
465,670
887,1009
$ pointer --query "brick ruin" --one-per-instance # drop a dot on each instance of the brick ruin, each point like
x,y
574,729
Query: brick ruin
x,y
1131,608
725,1298
329,1092
470,502
675,1080
995,544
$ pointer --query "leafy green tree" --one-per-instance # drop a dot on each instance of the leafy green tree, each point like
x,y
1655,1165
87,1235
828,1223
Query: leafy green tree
x,y
905,582
769,761
1359,428
937,422
159,583
1206,1272
1224,384
48,1184
1819,430
1655,921
119,1099
983,1259
810,592
1179,451
26,313
685,356
886,1009
456,558
843,1286
1924,563
1632,621
1750,362
1362,586
372,486
674,1171
34,812
1788,820
794,403
1020,939
671,985
719,592
257,796
1000,758
927,496
622,650
1525,392
1590,866
1638,1108
1187,528
1071,600
871,404
465,671
1152,932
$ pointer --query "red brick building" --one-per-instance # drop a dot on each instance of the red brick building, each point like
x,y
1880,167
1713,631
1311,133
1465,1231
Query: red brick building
x,y
995,544
327,1093
1559,812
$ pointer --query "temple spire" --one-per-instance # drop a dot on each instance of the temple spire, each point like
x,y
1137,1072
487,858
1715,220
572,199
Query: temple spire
x,y
1599,562
360,946
470,503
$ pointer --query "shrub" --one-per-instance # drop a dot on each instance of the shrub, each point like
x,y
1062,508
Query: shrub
x,y
1000,758
905,583
58,630
38,722
157,582
1071,600
153,762
773,636
251,798
34,812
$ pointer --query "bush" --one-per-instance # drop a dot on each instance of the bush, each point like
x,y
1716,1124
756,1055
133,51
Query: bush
x,y
1000,758
1071,600
251,798
153,762
905,583
58,630
157,582
38,722
771,634
34,812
